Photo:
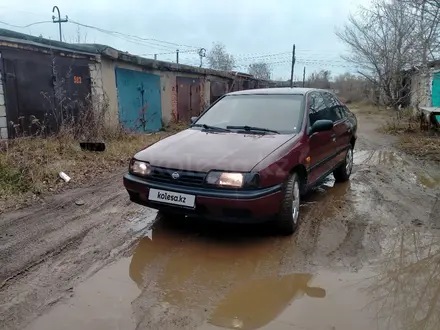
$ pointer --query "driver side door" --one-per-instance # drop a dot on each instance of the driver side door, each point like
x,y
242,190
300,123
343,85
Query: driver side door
x,y
320,143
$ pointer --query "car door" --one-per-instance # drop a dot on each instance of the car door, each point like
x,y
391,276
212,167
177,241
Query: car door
x,y
341,128
320,143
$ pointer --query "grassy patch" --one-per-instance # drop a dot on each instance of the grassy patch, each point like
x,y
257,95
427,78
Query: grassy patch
x,y
412,140
367,108
33,164
399,123
422,146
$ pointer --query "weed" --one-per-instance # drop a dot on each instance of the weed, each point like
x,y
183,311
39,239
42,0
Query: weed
x,y
43,147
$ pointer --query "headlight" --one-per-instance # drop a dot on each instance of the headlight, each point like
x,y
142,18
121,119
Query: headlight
x,y
225,179
139,168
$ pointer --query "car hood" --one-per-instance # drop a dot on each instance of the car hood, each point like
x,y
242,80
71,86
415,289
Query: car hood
x,y
201,151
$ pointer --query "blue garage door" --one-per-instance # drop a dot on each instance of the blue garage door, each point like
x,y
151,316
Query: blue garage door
x,y
139,100
436,90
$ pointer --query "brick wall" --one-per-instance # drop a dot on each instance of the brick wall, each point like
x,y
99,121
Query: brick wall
x,y
3,121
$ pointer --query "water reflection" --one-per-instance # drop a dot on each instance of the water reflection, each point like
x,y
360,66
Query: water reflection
x,y
187,279
408,285
242,277
257,302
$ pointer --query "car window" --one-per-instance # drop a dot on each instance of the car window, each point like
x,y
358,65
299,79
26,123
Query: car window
x,y
342,112
333,110
317,107
282,113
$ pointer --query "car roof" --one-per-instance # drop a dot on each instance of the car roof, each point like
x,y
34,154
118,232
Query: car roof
x,y
278,90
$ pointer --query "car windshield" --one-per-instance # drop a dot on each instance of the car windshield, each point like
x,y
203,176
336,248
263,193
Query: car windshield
x,y
280,113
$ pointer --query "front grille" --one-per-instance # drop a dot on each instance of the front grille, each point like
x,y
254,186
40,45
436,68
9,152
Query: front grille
x,y
186,178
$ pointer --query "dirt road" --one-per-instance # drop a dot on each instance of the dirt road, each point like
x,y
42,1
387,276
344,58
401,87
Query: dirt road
x,y
366,256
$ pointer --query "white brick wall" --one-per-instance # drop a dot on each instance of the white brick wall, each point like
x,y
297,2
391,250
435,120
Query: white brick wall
x,y
3,133
3,121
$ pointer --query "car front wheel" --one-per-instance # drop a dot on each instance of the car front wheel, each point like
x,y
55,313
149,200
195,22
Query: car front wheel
x,y
288,217
343,172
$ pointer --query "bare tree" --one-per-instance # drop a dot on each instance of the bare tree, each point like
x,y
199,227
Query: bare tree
x,y
319,79
79,38
260,70
219,59
385,41
427,15
352,88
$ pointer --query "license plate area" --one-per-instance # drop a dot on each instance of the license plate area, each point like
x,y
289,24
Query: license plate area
x,y
172,198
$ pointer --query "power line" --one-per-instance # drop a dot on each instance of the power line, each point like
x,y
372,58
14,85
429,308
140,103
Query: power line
x,y
149,40
191,51
24,26
128,39
108,32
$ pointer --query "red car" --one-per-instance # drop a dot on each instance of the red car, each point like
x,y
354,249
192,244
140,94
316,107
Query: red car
x,y
249,157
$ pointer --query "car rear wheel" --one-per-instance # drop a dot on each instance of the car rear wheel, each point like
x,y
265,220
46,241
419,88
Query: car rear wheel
x,y
343,172
288,217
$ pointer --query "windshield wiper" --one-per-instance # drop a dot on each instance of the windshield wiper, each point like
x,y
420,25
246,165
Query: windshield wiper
x,y
252,128
214,128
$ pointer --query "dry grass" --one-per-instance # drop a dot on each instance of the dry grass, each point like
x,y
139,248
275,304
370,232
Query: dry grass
x,y
30,163
421,146
399,123
367,108
33,164
412,140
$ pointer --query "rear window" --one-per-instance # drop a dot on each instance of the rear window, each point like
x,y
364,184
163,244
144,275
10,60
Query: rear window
x,y
282,113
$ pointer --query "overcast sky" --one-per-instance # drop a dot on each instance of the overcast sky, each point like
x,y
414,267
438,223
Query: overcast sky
x,y
251,30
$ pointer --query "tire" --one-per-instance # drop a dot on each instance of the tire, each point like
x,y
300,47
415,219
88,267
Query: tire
x,y
288,217
343,172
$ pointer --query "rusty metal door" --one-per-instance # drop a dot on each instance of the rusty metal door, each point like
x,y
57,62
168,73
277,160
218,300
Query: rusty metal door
x,y
188,98
28,91
72,81
40,88
218,89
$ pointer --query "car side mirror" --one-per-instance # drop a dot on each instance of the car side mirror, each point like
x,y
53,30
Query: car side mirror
x,y
321,126
193,119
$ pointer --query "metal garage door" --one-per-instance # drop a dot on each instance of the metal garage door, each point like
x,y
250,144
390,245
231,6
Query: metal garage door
x,y
436,90
49,87
188,98
139,100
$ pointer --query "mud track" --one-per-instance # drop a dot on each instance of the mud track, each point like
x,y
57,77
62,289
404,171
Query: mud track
x,y
192,275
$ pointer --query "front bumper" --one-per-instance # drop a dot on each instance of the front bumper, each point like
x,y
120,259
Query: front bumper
x,y
243,206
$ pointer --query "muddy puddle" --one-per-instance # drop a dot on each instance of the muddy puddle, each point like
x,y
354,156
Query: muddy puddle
x,y
354,264
421,175
178,280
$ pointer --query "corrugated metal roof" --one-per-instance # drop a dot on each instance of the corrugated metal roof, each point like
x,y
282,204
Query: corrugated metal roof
x,y
12,36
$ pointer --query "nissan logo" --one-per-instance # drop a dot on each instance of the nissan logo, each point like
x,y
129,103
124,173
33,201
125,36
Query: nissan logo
x,y
175,175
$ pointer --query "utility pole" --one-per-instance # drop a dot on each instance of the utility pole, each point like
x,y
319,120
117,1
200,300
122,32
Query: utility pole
x,y
293,66
177,56
59,20
202,54
304,76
